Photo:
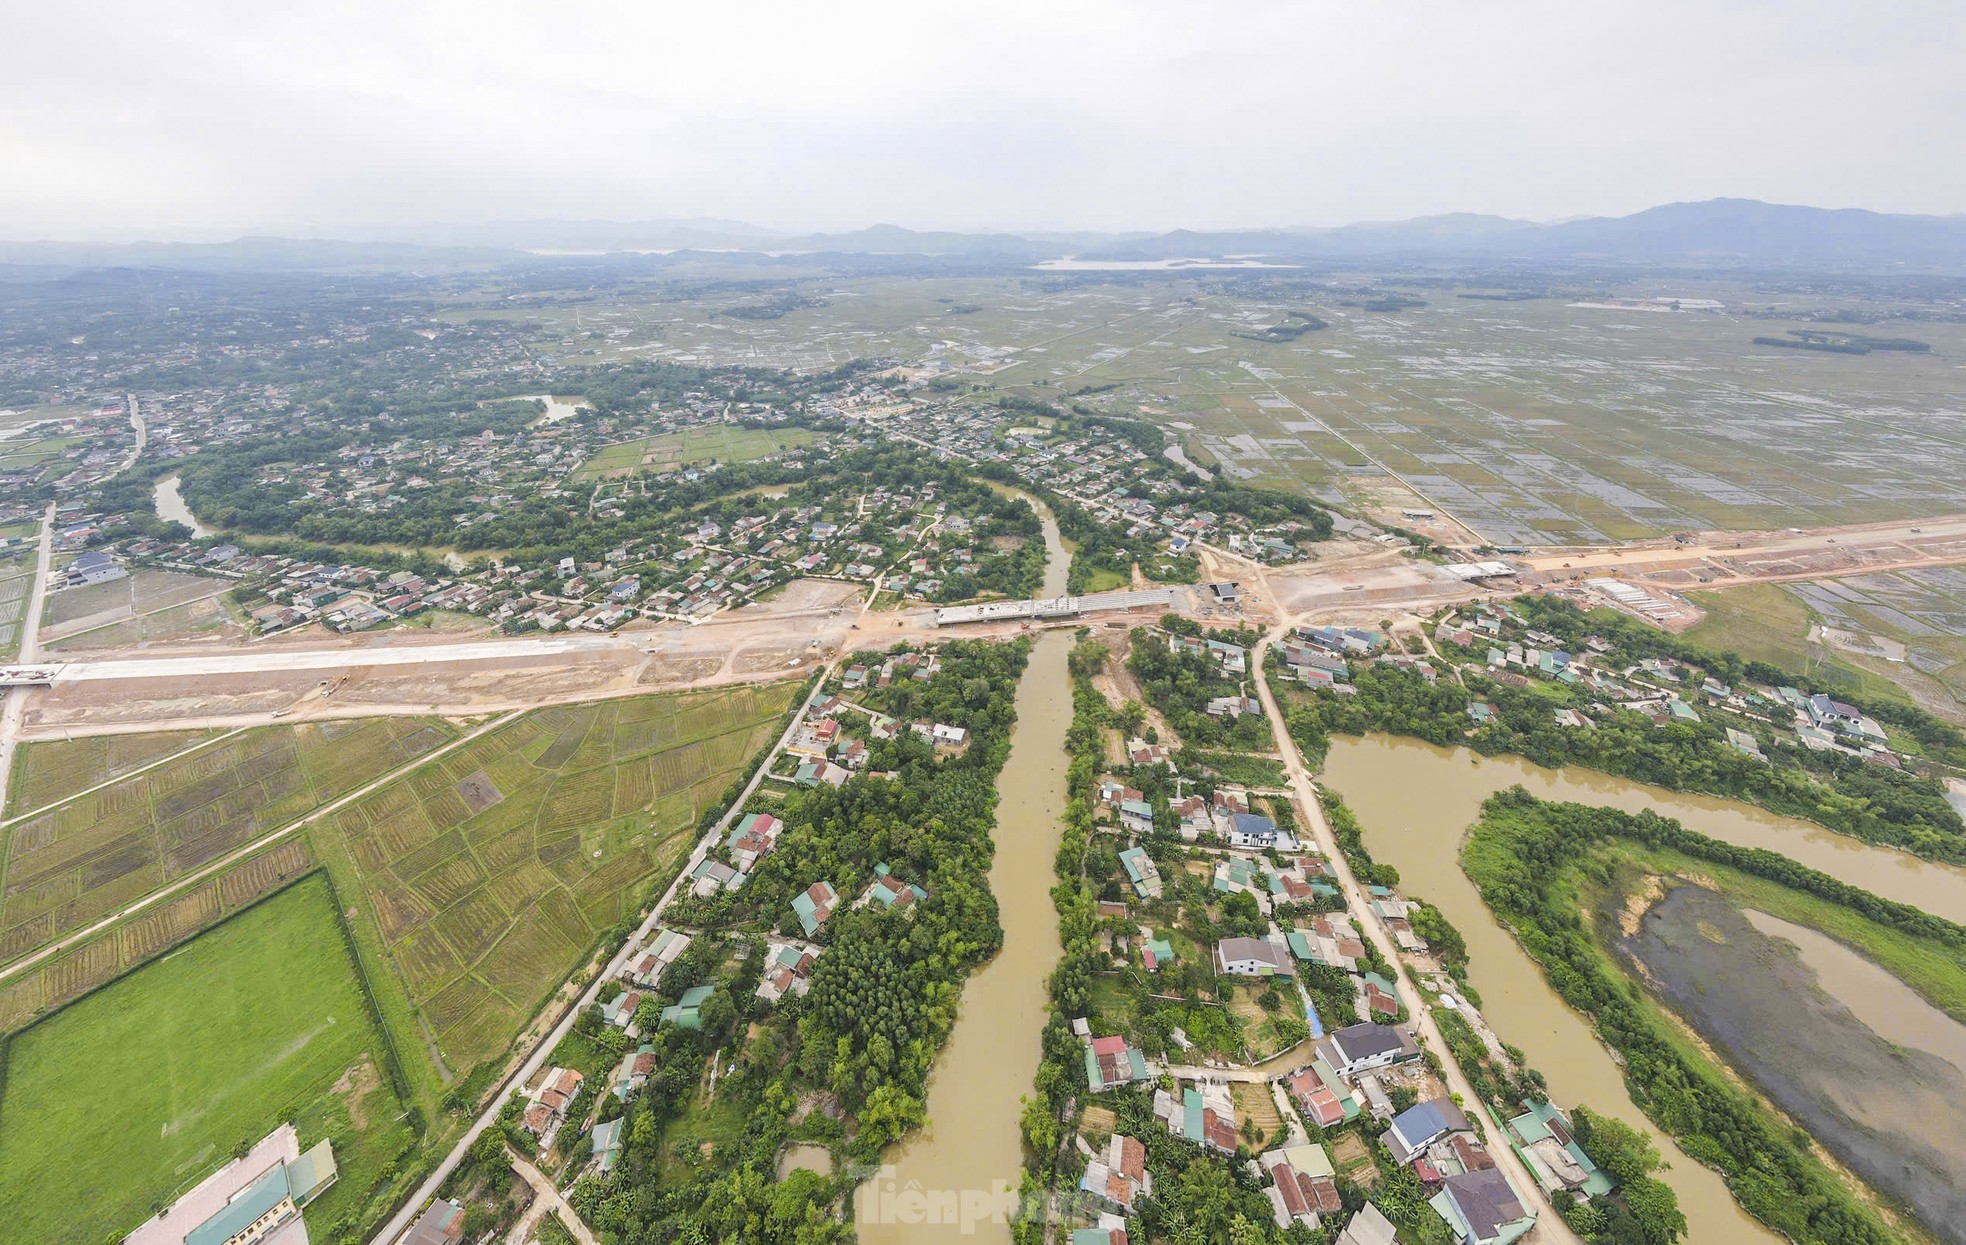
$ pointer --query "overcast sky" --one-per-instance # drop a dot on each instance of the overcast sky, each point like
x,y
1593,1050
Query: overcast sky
x,y
122,119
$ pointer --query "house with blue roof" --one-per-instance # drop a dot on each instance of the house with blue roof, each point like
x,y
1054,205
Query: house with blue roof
x,y
1422,1124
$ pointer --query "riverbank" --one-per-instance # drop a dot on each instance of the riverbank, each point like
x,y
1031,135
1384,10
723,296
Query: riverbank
x,y
1413,803
1540,864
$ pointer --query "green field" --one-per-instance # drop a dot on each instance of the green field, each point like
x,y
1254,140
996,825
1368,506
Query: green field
x,y
70,864
117,1103
1768,622
482,879
719,443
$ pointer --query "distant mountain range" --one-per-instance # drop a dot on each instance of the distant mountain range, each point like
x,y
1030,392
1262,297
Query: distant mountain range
x,y
1718,233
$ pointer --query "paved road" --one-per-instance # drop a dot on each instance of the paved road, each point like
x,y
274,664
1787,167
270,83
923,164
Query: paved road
x,y
1549,1225
544,1047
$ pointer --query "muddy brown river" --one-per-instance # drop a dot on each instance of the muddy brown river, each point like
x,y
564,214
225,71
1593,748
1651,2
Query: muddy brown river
x,y
1415,801
957,1180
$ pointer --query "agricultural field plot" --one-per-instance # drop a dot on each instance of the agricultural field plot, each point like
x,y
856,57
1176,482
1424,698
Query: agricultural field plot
x,y
697,445
151,604
63,978
1907,627
257,1021
487,875
53,770
16,584
69,864
1544,421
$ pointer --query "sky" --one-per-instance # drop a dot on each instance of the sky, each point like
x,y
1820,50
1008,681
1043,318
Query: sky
x,y
124,121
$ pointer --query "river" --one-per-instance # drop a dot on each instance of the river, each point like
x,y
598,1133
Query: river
x,y
171,507
958,1178
1413,802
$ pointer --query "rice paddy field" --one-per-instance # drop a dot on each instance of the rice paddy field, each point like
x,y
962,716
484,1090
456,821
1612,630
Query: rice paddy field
x,y
17,565
484,878
1578,417
68,864
116,1104
1868,632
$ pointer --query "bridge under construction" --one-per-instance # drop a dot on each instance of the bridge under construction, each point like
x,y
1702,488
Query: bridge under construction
x,y
1055,607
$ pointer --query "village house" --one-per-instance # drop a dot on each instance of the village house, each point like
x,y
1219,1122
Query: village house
x,y
1254,957
1110,1062
1117,1177
1482,1208
1303,1185
814,905
661,951
1202,1113
889,891
1420,1125
1357,1048
1141,872
1322,1094
788,970
550,1099
633,1072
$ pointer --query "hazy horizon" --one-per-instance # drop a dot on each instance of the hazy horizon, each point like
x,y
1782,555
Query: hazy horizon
x,y
214,121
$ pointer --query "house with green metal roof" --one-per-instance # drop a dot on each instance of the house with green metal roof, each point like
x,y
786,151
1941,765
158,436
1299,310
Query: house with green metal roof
x,y
889,891
1156,953
1142,872
1543,1137
687,1012
814,905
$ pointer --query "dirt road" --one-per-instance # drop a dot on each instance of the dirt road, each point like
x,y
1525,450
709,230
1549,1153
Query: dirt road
x,y
14,711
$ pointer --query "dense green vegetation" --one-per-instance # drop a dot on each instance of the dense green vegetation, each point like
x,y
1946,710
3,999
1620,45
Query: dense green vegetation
x,y
1181,684
884,993
1844,793
1523,855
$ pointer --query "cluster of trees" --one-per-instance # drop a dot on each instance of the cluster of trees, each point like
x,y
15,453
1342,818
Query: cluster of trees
x,y
1180,685
883,994
1518,849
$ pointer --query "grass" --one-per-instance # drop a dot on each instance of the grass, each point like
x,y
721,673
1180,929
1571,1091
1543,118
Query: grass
x,y
472,918
152,1081
718,443
1767,622
1104,579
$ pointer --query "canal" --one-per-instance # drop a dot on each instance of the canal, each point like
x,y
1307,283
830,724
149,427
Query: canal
x,y
958,1178
1414,802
